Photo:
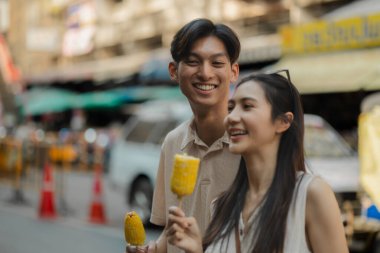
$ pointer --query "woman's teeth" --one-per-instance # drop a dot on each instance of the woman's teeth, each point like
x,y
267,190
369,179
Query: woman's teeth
x,y
237,132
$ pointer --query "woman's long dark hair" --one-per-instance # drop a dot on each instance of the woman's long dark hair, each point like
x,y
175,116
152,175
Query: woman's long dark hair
x,y
270,222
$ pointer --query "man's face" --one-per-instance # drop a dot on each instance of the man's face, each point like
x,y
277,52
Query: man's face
x,y
205,75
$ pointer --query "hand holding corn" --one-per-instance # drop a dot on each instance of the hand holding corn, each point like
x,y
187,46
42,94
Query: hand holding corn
x,y
184,175
134,229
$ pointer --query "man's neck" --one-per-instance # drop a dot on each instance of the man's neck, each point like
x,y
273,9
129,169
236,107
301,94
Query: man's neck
x,y
209,127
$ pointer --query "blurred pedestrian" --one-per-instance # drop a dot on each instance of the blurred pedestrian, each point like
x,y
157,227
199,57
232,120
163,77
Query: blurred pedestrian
x,y
273,205
204,65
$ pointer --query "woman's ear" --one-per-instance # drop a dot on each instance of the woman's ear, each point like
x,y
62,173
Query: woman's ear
x,y
173,71
284,122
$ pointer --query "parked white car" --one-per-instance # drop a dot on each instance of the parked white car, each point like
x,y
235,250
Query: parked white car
x,y
329,155
135,157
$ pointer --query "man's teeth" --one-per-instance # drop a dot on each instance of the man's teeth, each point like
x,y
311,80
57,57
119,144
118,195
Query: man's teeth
x,y
238,132
205,86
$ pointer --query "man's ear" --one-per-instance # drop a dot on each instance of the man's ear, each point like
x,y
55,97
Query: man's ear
x,y
235,72
284,121
173,71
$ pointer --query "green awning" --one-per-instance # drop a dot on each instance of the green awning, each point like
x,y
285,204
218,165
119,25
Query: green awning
x,y
49,100
39,101
100,99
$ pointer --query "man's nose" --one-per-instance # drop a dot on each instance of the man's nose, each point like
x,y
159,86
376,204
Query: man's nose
x,y
206,71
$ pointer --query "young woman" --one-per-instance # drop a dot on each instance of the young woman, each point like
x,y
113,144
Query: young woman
x,y
274,205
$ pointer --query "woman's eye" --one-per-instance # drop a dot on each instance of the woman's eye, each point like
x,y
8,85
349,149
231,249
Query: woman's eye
x,y
247,106
230,108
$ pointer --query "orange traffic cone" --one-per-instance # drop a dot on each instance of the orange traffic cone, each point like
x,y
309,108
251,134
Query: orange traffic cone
x,y
97,213
47,204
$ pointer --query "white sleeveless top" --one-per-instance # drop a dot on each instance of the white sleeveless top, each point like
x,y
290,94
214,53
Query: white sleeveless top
x,y
295,238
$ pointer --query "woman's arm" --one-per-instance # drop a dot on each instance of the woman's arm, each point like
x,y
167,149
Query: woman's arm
x,y
324,227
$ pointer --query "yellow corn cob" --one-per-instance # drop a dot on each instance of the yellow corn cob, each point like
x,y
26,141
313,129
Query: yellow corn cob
x,y
184,175
134,229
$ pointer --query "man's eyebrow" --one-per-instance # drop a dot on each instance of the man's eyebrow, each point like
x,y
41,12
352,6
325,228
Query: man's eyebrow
x,y
221,54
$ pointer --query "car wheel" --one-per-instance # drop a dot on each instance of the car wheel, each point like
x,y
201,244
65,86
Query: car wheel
x,y
141,198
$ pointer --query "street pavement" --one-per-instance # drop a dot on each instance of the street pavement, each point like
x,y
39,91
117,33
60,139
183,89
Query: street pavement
x,y
21,229
20,233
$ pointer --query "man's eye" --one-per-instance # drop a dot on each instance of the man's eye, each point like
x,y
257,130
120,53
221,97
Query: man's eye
x,y
219,63
191,62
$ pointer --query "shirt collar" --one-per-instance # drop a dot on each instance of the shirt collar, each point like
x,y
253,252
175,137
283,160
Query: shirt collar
x,y
191,136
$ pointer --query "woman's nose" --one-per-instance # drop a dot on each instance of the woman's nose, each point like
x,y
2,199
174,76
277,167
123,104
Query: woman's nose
x,y
233,117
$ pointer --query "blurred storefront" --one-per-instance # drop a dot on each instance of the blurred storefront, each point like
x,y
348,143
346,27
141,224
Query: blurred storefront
x,y
104,46
334,56
335,60
107,39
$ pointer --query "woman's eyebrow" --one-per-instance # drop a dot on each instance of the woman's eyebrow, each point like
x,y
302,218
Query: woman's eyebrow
x,y
248,98
243,99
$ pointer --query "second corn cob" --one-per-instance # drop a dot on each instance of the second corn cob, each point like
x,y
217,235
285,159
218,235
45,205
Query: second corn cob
x,y
134,229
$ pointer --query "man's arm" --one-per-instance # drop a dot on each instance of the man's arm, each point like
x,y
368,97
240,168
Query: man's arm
x,y
158,214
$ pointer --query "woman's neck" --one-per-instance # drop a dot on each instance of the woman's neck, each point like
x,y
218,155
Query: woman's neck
x,y
260,169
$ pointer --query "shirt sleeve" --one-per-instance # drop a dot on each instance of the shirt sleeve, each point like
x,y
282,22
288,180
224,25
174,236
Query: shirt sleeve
x,y
158,214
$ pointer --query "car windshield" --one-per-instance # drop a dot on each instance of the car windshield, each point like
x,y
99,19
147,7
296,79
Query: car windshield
x,y
150,132
321,141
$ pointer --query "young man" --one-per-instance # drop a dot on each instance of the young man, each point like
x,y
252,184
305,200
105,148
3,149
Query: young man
x,y
204,65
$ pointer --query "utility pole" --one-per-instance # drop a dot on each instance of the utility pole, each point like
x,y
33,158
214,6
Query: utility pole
x,y
8,105
297,14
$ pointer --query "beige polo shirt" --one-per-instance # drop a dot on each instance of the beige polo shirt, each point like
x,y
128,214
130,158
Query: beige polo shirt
x,y
218,168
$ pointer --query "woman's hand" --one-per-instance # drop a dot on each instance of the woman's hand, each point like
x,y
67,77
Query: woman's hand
x,y
183,232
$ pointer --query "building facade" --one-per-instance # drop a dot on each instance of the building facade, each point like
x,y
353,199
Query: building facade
x,y
99,39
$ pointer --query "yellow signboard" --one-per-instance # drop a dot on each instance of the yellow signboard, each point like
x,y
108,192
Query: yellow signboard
x,y
356,32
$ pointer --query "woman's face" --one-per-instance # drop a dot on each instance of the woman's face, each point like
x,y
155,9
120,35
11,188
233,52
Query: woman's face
x,y
249,123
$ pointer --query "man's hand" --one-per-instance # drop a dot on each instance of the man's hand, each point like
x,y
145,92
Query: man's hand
x,y
150,248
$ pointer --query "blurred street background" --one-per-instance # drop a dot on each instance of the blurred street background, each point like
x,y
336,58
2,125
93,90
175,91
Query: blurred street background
x,y
23,230
86,99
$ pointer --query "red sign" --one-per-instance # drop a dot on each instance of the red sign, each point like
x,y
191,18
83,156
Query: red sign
x,y
8,70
